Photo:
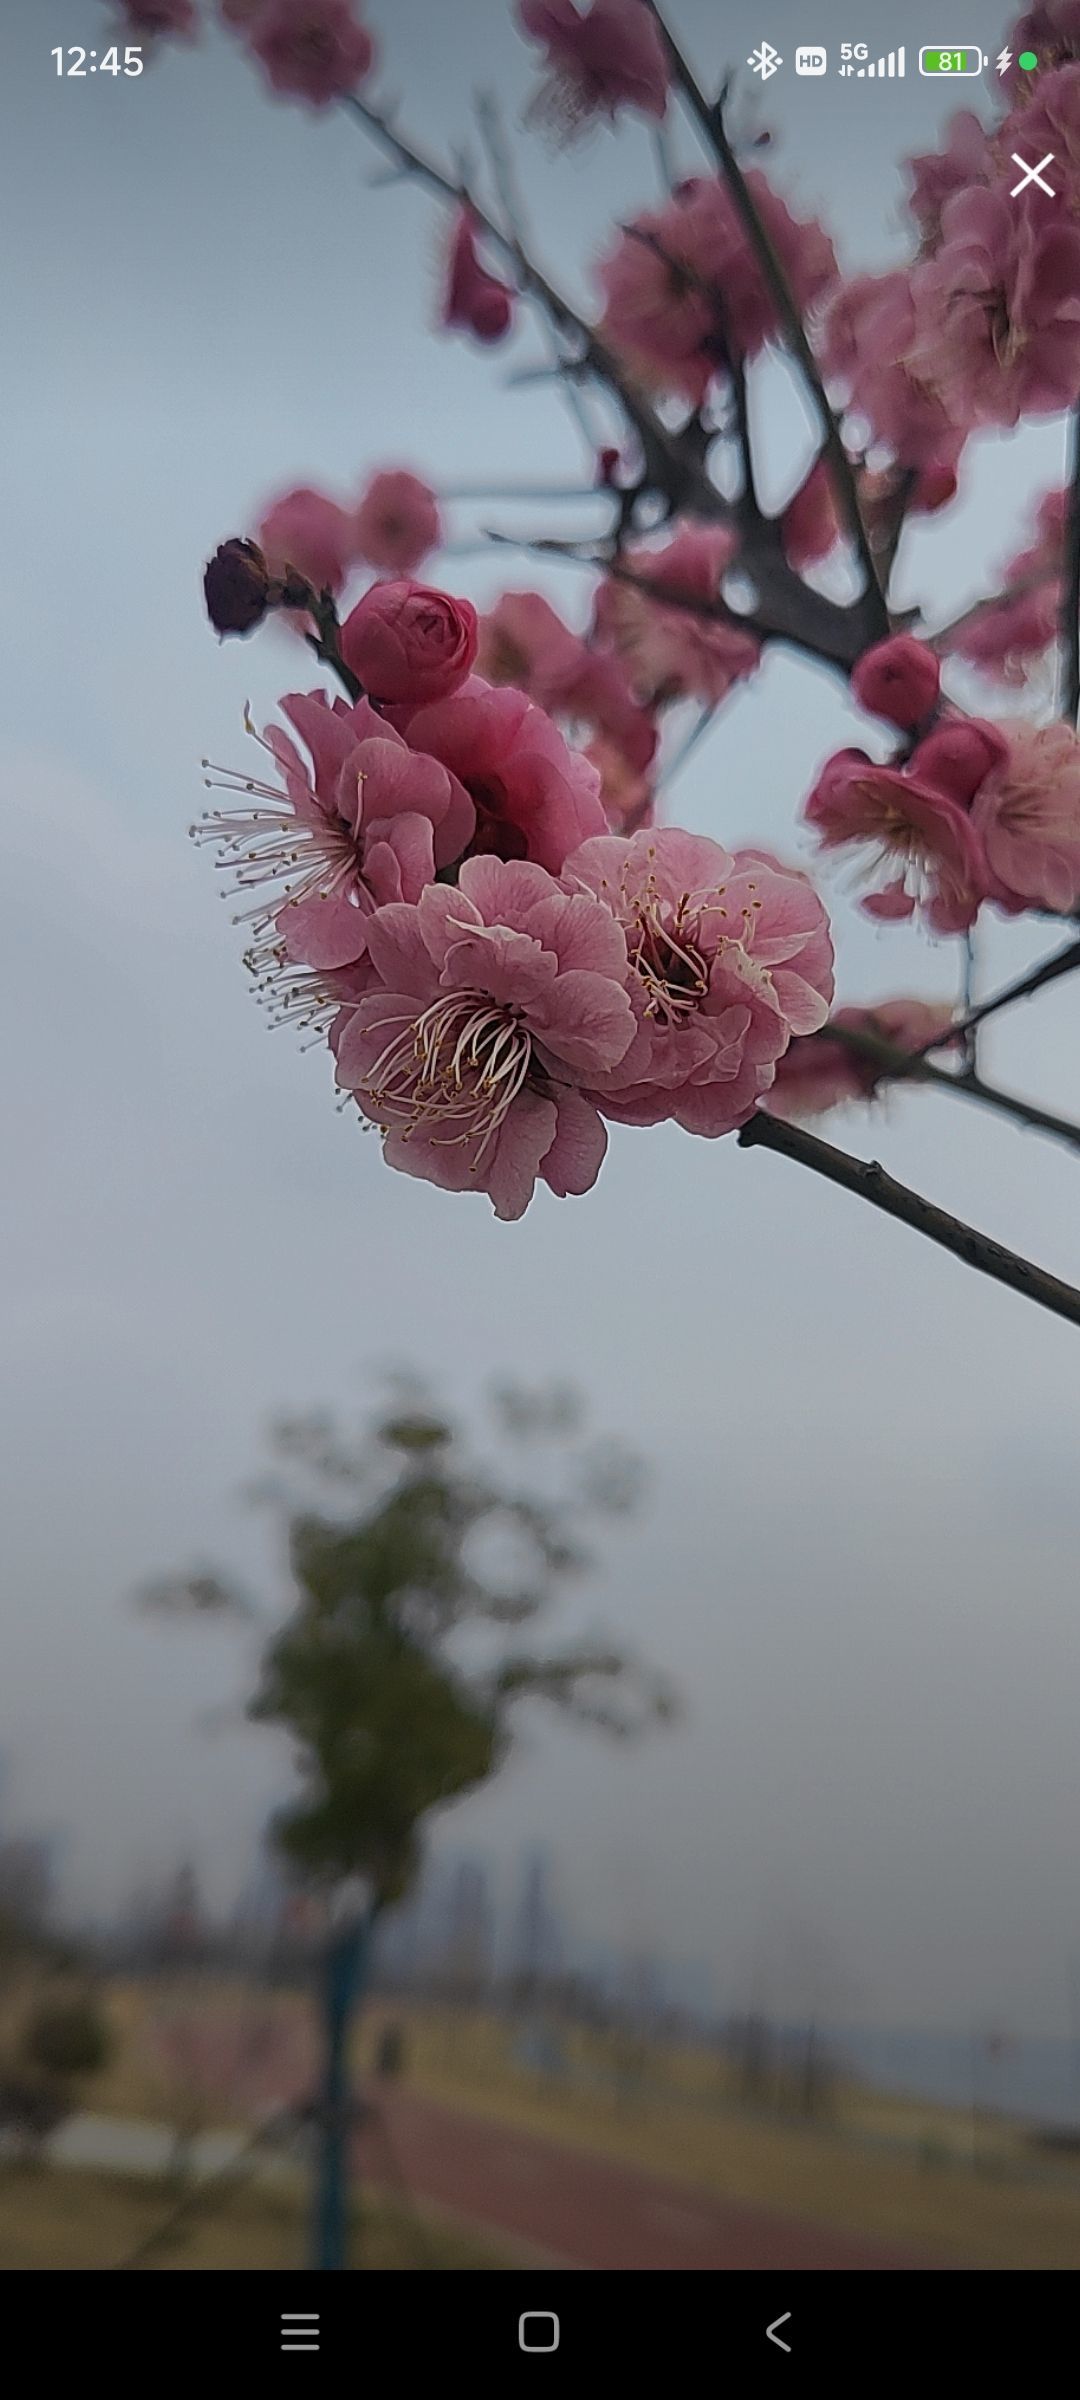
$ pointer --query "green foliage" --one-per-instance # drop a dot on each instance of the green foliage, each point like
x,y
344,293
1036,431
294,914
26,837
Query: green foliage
x,y
406,1558
66,2038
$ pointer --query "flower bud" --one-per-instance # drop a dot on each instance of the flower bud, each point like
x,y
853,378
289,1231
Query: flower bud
x,y
898,680
237,587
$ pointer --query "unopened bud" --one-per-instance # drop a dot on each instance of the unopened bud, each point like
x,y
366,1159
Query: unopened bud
x,y
237,587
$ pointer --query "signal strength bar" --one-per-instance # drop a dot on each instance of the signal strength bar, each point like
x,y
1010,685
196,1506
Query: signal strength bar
x,y
892,64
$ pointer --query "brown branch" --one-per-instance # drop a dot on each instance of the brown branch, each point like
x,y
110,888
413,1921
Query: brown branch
x,y
790,610
1063,962
710,118
914,1067
669,461
869,1181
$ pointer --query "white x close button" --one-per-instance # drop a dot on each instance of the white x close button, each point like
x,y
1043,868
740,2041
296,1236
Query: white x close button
x,y
1032,175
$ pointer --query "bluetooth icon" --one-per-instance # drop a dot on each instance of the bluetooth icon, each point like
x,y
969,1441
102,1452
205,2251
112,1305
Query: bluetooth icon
x,y
765,60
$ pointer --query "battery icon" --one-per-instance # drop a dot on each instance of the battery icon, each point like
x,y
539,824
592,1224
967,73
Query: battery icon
x,y
951,62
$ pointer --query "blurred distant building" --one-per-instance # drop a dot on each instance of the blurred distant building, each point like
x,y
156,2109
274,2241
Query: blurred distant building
x,y
27,1877
536,1950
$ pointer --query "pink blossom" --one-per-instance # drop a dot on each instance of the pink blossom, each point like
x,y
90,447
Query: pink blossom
x,y
867,340
729,956
671,652
496,1003
602,58
397,522
810,526
968,158
682,283
307,531
627,793
406,642
916,818
997,312
475,299
361,820
1015,627
898,679
1028,813
313,50
533,796
156,19
524,642
817,1073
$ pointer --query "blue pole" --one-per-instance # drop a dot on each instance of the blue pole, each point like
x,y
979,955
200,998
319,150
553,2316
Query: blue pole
x,y
343,1973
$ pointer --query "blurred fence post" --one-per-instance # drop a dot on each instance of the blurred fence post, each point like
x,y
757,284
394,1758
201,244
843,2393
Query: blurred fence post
x,y
343,1973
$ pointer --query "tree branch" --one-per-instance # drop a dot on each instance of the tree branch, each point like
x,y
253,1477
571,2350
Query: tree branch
x,y
710,119
914,1067
869,1181
1062,963
791,611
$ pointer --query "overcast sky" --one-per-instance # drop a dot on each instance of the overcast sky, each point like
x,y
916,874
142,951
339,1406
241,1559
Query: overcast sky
x,y
858,1557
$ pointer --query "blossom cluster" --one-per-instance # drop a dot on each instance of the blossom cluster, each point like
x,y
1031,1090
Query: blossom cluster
x,y
967,812
434,884
458,875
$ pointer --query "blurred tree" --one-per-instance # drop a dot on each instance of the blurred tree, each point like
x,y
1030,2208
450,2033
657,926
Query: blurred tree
x,y
412,1562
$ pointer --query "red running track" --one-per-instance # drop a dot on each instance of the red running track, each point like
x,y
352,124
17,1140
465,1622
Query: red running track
x,y
585,2210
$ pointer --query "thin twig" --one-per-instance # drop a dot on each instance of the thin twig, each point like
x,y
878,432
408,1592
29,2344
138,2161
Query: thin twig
x,y
869,1181
510,201
791,611
668,460
905,1066
710,118
1070,600
1062,963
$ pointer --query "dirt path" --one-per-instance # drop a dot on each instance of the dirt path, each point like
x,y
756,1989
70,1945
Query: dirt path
x,y
585,2210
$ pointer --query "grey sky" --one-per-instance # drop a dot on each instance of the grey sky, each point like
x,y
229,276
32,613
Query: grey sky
x,y
859,1555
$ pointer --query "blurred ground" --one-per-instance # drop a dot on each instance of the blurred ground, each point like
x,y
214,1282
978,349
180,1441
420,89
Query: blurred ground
x,y
611,2152
70,2217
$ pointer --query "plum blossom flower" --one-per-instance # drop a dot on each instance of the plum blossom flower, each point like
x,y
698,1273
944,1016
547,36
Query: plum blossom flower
x,y
533,796
671,652
627,793
682,284
817,1073
361,820
968,158
496,1003
916,818
475,300
524,641
867,343
396,523
307,531
729,956
311,50
601,58
406,642
1027,811
1010,631
997,312
898,679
